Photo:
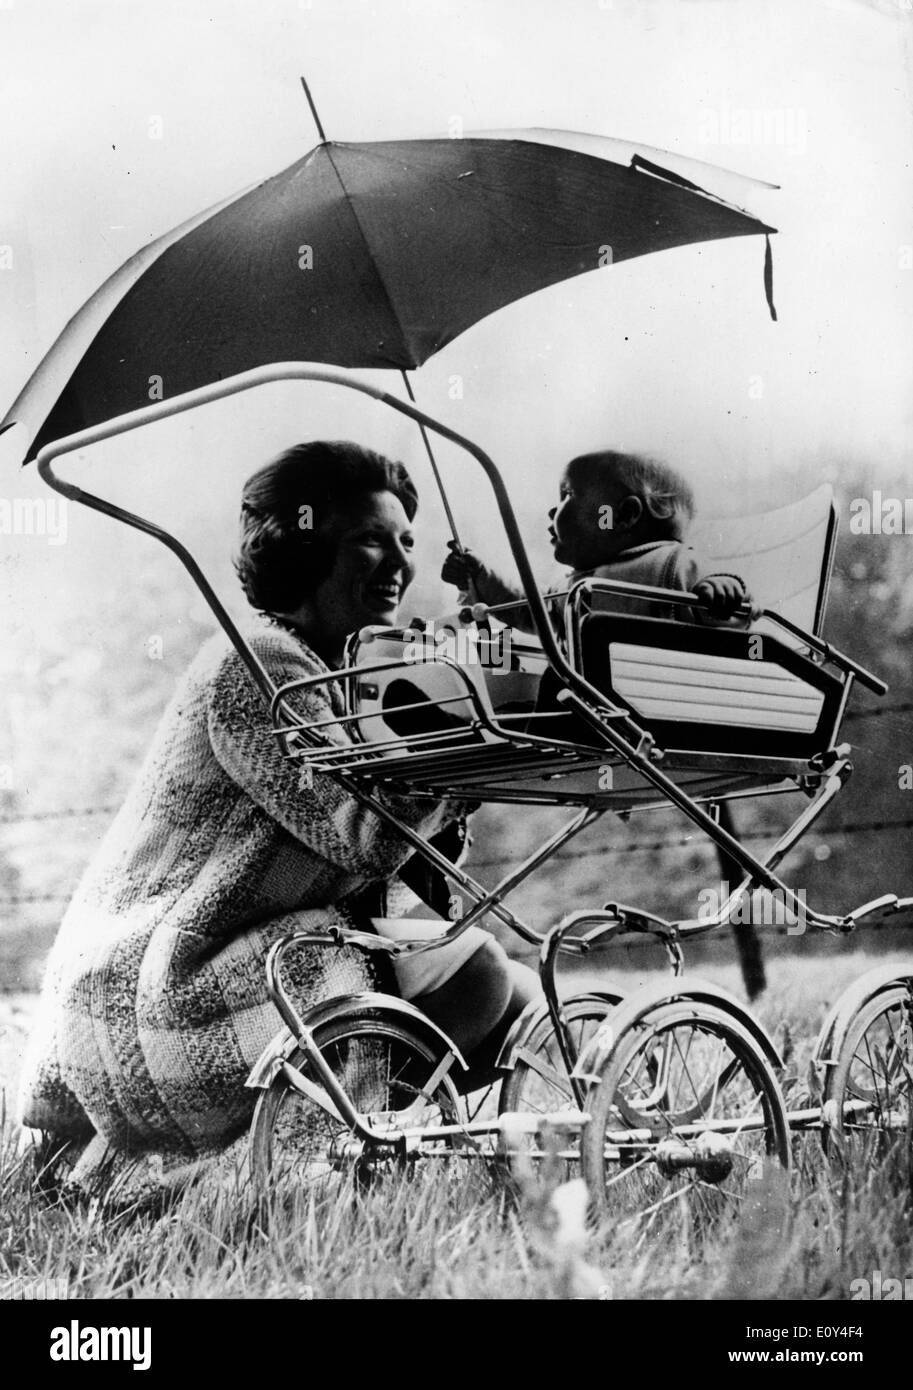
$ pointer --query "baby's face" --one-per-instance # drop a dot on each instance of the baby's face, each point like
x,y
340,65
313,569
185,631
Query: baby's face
x,y
584,529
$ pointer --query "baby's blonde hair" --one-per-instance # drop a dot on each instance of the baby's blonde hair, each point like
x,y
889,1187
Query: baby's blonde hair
x,y
666,496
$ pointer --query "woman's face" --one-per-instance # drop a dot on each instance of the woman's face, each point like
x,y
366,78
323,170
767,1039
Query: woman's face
x,y
372,566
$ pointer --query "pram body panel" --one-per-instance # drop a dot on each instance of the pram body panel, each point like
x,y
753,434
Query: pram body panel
x,y
713,690
725,711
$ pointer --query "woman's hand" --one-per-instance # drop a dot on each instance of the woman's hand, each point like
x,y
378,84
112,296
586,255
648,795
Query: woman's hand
x,y
461,567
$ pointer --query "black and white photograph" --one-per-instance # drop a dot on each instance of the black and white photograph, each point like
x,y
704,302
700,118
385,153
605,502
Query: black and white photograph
x,y
456,663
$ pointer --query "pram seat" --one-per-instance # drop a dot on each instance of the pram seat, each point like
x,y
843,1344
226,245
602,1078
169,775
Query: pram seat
x,y
712,690
475,709
722,721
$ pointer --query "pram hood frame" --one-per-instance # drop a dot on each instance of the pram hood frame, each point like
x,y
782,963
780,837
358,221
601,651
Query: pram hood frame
x,y
536,765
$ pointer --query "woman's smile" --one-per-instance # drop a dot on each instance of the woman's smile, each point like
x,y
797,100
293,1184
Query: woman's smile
x,y
383,595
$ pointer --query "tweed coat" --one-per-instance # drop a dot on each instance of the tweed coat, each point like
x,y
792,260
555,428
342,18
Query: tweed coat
x,y
154,1004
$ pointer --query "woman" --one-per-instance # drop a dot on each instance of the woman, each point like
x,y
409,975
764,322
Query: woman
x,y
154,1006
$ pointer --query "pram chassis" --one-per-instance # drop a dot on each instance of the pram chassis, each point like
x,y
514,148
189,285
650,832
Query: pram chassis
x,y
429,770
600,714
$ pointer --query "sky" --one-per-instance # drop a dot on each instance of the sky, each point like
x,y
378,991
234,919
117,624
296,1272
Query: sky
x,y
674,353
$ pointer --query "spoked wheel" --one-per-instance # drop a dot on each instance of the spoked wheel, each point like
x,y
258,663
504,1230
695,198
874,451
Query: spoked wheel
x,y
687,1115
539,1083
391,1074
867,1093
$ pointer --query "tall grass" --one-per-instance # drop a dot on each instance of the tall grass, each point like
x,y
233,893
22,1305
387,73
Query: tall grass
x,y
455,1231
462,1230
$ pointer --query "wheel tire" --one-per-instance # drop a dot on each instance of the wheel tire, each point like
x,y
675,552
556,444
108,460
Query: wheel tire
x,y
538,1082
707,1060
383,1065
874,1066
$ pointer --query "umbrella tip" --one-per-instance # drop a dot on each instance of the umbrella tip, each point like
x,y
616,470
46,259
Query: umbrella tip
x,y
317,121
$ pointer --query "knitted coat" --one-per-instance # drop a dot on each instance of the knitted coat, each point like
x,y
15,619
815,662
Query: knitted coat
x,y
154,1005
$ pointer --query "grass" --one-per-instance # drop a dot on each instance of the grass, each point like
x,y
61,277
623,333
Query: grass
x,y
461,1231
451,1234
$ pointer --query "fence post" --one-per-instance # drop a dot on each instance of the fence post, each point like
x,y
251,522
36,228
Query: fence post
x,y
747,941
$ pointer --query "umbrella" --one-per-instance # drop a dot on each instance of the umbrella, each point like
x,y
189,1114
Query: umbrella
x,y
366,255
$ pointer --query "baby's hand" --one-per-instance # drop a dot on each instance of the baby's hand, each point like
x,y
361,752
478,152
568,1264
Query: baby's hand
x,y
723,594
461,567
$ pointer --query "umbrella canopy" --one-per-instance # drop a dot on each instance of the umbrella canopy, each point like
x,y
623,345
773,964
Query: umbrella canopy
x,y
363,255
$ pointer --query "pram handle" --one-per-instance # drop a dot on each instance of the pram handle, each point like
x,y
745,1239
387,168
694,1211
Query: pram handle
x,y
651,593
864,676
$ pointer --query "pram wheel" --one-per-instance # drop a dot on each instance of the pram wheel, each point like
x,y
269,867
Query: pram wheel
x,y
385,1068
867,1092
686,1116
538,1084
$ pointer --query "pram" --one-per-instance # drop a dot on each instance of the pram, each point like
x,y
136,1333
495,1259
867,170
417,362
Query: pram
x,y
675,1089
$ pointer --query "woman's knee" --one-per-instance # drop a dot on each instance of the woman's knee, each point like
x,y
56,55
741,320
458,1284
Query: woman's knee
x,y
476,998
525,986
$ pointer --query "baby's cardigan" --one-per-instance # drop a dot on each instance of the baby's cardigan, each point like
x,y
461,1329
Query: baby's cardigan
x,y
154,1005
664,564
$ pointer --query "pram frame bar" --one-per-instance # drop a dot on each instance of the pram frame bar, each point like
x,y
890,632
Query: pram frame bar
x,y
578,693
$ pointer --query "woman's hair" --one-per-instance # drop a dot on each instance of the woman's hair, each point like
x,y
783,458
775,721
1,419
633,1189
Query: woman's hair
x,y
667,497
287,508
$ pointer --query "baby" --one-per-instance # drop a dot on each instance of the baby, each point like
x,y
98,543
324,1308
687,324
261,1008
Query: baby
x,y
619,516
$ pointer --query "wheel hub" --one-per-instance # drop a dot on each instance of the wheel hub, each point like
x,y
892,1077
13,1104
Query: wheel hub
x,y
710,1156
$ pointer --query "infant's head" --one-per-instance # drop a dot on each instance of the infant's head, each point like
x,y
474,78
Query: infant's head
x,y
611,501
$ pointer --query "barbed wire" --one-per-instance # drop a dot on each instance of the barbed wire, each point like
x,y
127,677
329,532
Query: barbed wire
x,y
84,812
691,841
66,813
19,900
638,847
878,712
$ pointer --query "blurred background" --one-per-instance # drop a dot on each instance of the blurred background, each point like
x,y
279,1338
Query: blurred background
x,y
119,120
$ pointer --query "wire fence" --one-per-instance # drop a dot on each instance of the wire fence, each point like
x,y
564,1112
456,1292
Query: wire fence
x,y
880,712
689,841
67,813
653,846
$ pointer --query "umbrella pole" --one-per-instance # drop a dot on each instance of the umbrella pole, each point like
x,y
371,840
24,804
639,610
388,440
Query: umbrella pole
x,y
434,468
451,521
